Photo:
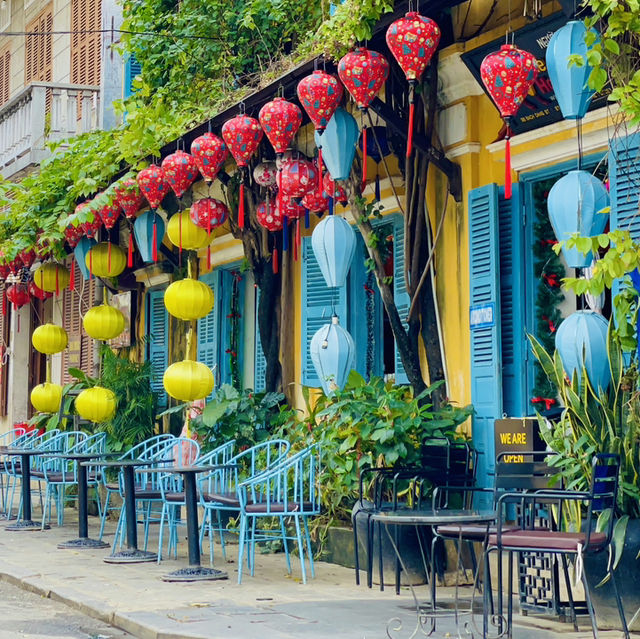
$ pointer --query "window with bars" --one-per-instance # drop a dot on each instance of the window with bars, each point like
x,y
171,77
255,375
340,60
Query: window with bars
x,y
38,65
5,75
86,16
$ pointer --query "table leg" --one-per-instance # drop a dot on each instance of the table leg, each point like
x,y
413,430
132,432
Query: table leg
x,y
25,523
195,572
83,540
131,555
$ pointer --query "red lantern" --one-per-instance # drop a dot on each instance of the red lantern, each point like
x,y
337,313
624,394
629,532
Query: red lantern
x,y
36,291
269,216
210,154
280,120
180,171
320,95
109,214
73,234
128,197
4,271
315,202
18,295
90,227
15,264
242,135
208,213
413,40
265,174
28,257
297,178
333,190
153,185
508,75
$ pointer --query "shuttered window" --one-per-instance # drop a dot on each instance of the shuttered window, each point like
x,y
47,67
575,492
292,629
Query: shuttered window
x,y
158,353
5,75
400,294
260,361
5,321
624,174
132,68
38,48
208,329
86,17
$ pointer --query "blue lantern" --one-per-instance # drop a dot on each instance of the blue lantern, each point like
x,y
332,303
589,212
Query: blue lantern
x,y
143,230
333,354
80,253
338,142
570,82
574,203
334,243
581,341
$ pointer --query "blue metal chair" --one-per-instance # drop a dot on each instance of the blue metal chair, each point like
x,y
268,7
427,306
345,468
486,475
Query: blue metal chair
x,y
139,451
173,497
15,439
288,490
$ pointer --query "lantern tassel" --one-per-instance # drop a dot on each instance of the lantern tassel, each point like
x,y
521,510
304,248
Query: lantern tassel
x,y
4,302
130,251
241,207
364,158
275,260
285,233
209,257
307,221
377,188
72,279
507,165
154,248
320,168
410,131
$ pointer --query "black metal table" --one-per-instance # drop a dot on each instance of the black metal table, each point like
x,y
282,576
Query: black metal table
x,y
132,554
195,571
25,523
83,541
427,612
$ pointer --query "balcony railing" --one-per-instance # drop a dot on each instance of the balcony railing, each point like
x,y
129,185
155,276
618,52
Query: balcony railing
x,y
41,113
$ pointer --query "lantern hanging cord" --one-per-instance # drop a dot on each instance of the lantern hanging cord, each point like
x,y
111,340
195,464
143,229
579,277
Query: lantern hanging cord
x,y
171,36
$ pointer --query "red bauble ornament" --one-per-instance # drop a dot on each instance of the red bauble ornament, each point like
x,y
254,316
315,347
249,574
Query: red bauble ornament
x,y
280,120
333,190
269,216
508,75
35,291
18,295
242,135
315,202
153,185
128,196
208,213
210,154
109,214
28,257
363,73
73,234
298,177
320,94
180,170
89,228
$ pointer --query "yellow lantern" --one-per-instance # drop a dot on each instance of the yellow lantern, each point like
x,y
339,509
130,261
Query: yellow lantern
x,y
103,322
188,299
106,260
188,380
47,397
96,404
49,339
193,237
52,277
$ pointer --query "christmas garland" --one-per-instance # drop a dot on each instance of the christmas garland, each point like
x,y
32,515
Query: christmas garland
x,y
548,272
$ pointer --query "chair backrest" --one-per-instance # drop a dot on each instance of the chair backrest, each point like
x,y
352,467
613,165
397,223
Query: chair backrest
x,y
523,471
262,456
604,488
147,448
91,444
219,455
448,463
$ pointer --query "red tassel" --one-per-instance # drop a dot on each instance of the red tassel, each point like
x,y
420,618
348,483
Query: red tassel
x,y
364,158
57,282
275,260
241,207
130,252
72,281
410,132
4,302
320,169
507,166
109,259
154,248
209,257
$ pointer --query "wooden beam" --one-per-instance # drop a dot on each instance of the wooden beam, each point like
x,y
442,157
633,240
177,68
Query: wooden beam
x,y
423,145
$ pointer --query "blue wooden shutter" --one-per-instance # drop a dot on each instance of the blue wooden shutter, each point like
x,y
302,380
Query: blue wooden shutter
x,y
132,68
624,177
318,303
486,377
400,294
260,361
357,302
512,303
208,329
158,343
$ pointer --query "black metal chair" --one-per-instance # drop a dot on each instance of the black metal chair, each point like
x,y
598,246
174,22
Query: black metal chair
x,y
529,538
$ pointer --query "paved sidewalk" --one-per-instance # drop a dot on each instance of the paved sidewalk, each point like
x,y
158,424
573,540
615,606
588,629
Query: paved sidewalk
x,y
271,605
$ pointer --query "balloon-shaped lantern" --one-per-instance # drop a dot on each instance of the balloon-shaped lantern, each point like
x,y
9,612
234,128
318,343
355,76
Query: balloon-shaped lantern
x,y
315,202
188,380
128,196
28,257
581,342
574,204
269,216
96,404
508,75
413,40
180,170
188,299
47,397
570,81
333,192
103,322
49,339
363,72
106,260
18,295
333,355
242,135
280,121
298,178
209,213
210,153
265,174
52,277
184,234
338,143
154,187
92,226
109,212
334,244
37,292
149,231
73,234
80,254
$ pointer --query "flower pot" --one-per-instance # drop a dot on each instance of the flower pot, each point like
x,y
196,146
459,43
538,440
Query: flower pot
x,y
628,579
